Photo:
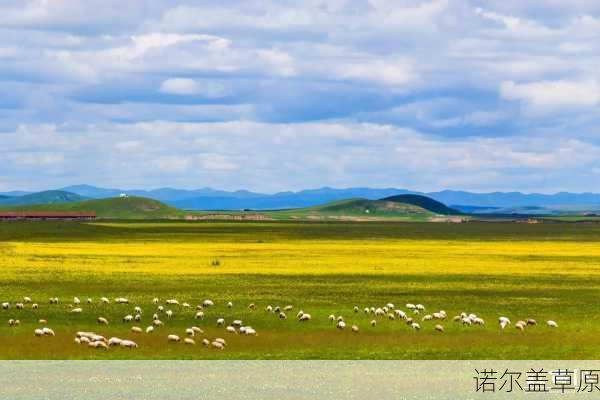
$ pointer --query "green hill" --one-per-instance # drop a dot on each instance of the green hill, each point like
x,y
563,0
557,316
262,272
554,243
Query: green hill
x,y
356,209
424,202
46,197
116,207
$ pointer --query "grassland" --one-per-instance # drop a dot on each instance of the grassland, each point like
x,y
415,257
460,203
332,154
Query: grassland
x,y
544,271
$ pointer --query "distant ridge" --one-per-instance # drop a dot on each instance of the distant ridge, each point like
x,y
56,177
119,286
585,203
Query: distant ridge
x,y
423,202
46,197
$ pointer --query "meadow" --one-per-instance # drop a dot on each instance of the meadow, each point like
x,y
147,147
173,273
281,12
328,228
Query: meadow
x,y
544,271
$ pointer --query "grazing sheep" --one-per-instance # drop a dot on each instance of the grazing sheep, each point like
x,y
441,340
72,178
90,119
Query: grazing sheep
x,y
237,322
104,300
157,322
248,330
340,318
77,340
331,317
173,338
379,312
98,345
366,310
205,342
38,332
427,317
221,340
354,328
229,304
415,326
114,341
161,309
89,300
19,306
150,329
199,315
172,302
288,308
83,340
189,341
169,314
341,325
277,309
230,329
467,321
420,307
76,301
385,309
102,320
390,306
531,321
11,322
400,314
355,309
26,299
128,318
479,321
504,319
5,306
185,305
373,323
217,345
76,311
282,315
137,310
190,332
520,326
391,317
197,330
47,331
410,306
138,317
130,344
121,300
408,321
305,317
155,300
136,329
42,321
220,322
457,318
269,308
34,306
252,306
439,315
154,317
551,324
439,328
208,303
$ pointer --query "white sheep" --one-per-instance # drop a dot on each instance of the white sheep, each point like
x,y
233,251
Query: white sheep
x,y
230,329
76,310
172,302
161,309
104,300
379,312
288,308
220,321
122,300
439,328
355,309
150,329
190,332
420,307
208,303
137,310
169,314
373,323
136,329
205,342
38,332
102,321
173,338
89,300
130,344
331,317
128,318
410,306
157,322
415,326
76,301
34,306
26,299
98,345
189,341
229,304
155,300
199,315
251,306
217,345
222,341
282,315
427,317
305,317
341,325
197,330
42,321
390,306
19,306
400,314
5,306
47,331
138,317
269,308
531,321
551,324
237,322
354,328
114,341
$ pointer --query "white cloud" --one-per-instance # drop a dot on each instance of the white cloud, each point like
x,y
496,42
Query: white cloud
x,y
553,96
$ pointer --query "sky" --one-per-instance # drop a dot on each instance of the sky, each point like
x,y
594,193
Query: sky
x,y
285,95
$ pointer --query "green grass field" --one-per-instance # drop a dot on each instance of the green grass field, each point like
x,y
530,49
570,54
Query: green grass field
x,y
543,271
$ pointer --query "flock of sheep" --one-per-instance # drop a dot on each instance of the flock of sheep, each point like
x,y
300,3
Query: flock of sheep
x,y
414,316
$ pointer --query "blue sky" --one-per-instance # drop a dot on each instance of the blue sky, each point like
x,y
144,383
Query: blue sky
x,y
268,96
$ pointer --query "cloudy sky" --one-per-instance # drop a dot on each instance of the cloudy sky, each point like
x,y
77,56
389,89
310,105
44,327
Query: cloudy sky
x,y
269,96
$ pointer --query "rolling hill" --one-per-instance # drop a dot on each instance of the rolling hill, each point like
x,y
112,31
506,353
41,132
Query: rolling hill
x,y
46,197
116,207
356,209
424,202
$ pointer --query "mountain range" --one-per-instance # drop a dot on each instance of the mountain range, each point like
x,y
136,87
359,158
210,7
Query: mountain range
x,y
212,199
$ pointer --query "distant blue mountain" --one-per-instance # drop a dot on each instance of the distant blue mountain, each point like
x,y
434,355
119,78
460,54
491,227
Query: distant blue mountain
x,y
211,199
45,197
